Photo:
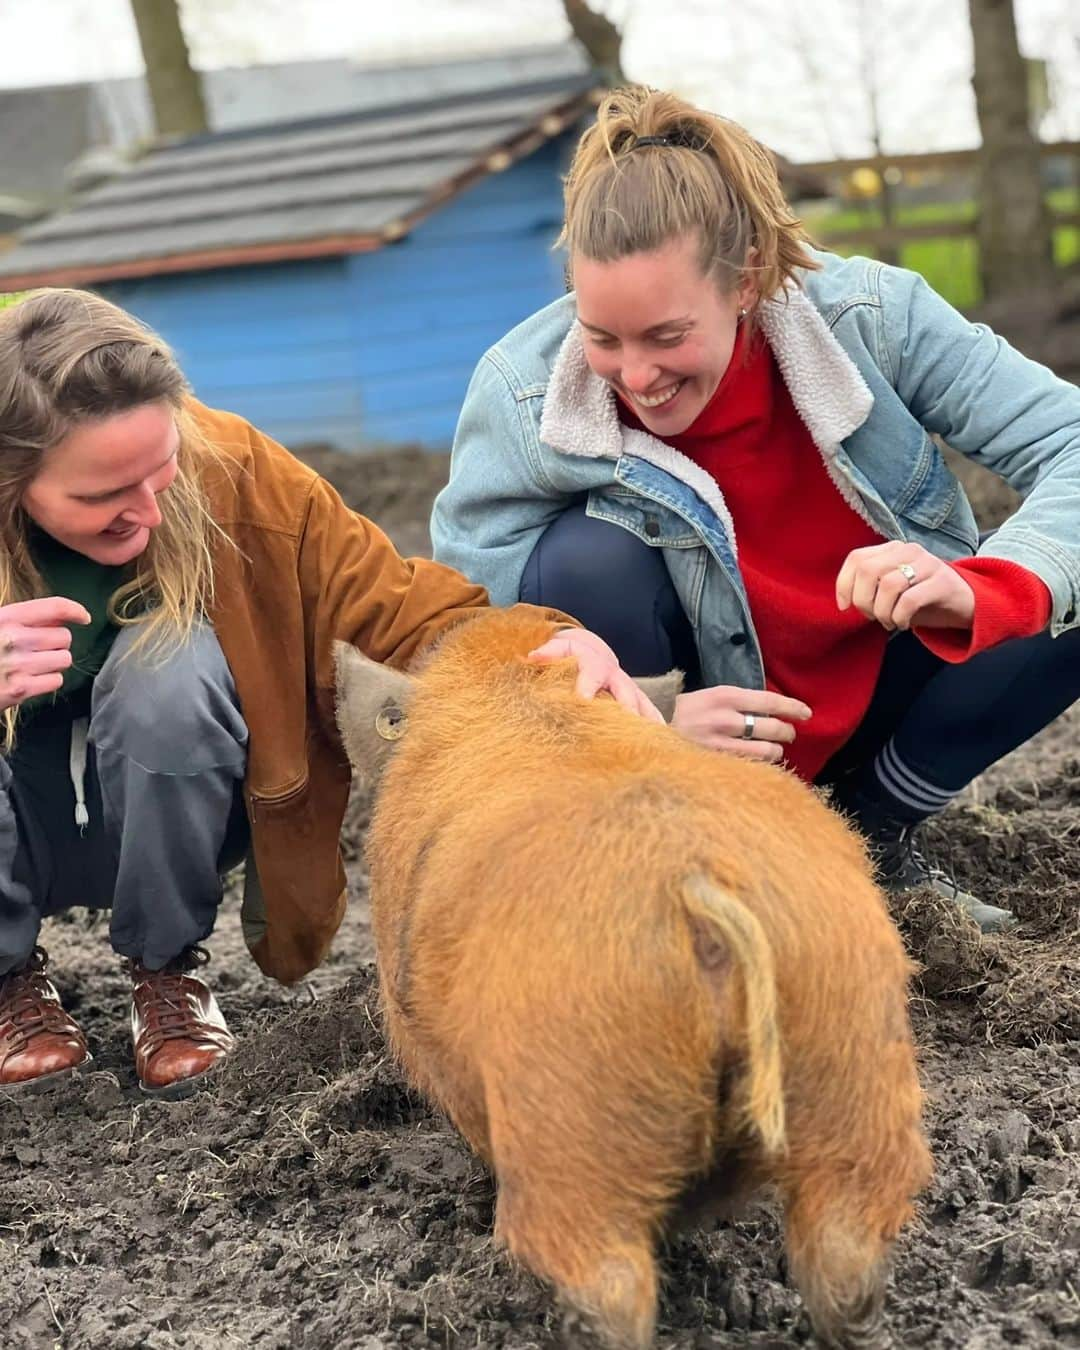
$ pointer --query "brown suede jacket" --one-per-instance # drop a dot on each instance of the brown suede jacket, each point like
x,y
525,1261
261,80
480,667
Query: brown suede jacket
x,y
305,571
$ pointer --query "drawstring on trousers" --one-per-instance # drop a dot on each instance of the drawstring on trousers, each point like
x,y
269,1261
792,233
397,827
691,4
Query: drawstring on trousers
x,y
77,767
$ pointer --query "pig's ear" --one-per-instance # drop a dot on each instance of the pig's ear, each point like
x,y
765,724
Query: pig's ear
x,y
662,690
372,708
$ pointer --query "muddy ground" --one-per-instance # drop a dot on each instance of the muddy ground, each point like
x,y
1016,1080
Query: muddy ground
x,y
306,1199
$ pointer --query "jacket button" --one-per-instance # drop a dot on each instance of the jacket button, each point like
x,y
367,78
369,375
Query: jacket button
x,y
738,639
1070,615
652,527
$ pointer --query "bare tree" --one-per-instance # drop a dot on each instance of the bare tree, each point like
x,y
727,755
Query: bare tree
x,y
600,38
1014,233
175,87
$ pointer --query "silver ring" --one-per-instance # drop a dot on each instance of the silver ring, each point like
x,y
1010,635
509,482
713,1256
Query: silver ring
x,y
908,573
749,722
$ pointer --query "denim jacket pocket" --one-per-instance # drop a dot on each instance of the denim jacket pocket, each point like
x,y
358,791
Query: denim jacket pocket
x,y
653,523
932,491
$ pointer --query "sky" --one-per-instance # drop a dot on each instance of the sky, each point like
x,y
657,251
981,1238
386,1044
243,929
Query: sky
x,y
809,77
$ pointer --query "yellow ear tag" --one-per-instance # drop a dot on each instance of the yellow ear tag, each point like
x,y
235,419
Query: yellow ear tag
x,y
390,724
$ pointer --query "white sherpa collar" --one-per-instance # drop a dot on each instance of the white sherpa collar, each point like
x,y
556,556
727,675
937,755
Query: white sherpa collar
x,y
829,394
580,417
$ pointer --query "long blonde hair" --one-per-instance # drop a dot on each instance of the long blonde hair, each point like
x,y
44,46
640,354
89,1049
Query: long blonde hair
x,y
707,178
69,357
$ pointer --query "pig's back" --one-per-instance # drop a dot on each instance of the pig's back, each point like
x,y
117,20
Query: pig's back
x,y
540,901
575,839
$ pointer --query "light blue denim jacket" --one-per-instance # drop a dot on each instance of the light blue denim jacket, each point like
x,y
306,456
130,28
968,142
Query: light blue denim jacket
x,y
875,362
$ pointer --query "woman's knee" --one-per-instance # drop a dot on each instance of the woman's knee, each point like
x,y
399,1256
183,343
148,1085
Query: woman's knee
x,y
173,712
615,584
582,560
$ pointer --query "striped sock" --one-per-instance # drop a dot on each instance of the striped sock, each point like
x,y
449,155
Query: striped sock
x,y
914,797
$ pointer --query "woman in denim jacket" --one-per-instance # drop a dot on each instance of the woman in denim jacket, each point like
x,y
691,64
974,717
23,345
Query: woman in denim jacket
x,y
719,453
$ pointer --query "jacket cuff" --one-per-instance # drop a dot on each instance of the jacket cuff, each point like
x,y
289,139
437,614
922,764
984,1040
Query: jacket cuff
x,y
1010,602
562,621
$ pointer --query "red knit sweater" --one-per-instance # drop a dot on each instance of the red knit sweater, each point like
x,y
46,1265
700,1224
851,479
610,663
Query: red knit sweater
x,y
793,531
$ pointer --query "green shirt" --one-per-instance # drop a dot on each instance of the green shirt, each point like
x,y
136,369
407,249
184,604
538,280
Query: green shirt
x,y
73,576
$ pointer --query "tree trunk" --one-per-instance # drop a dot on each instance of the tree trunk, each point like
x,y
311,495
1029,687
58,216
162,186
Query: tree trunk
x,y
600,38
1014,233
175,88
869,41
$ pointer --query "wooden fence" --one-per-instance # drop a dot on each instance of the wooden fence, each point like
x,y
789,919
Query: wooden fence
x,y
890,234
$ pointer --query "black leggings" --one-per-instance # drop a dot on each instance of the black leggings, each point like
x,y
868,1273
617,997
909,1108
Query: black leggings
x,y
931,726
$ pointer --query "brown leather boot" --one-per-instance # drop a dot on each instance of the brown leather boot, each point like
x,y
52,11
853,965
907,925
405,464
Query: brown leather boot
x,y
176,1025
39,1041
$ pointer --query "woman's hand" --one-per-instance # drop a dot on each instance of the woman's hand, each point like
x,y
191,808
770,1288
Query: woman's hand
x,y
598,669
719,718
902,584
35,649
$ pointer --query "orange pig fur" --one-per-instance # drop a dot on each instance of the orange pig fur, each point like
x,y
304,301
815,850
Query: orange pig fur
x,y
641,978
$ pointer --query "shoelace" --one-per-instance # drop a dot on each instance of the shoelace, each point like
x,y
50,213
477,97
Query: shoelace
x,y
172,1013
24,1011
27,1011
907,853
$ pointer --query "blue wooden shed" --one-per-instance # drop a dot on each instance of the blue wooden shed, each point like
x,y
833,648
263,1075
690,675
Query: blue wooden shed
x,y
336,279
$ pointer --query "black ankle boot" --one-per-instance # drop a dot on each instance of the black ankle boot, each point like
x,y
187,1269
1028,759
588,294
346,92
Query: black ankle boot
x,y
902,867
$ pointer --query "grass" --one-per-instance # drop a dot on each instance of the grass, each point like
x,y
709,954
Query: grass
x,y
950,265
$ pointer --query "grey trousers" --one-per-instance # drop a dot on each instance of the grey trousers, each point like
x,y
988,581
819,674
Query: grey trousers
x,y
164,818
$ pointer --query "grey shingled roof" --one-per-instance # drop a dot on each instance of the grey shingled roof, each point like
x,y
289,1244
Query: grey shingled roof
x,y
43,129
328,185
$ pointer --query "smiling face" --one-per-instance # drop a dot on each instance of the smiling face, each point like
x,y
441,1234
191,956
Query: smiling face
x,y
96,491
658,331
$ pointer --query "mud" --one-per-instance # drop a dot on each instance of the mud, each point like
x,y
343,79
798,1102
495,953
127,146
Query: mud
x,y
306,1199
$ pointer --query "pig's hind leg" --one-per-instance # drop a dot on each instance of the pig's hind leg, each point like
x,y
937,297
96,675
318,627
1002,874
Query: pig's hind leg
x,y
605,1273
857,1160
839,1236
569,1216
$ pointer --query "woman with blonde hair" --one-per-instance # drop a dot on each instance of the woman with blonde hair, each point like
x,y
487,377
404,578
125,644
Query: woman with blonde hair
x,y
171,584
720,452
